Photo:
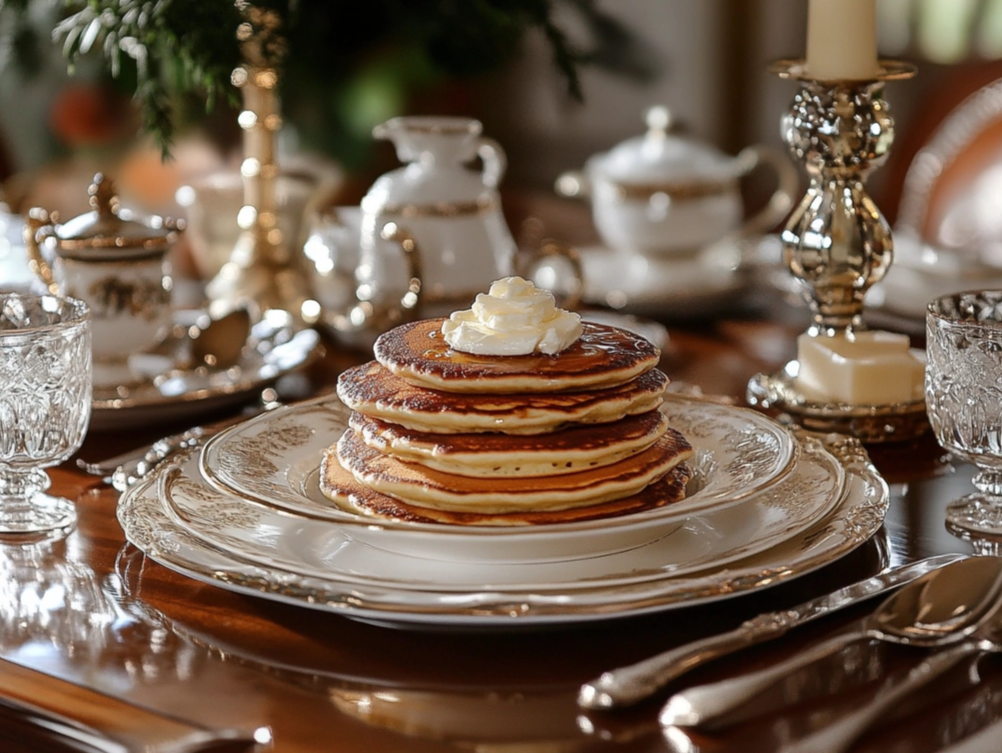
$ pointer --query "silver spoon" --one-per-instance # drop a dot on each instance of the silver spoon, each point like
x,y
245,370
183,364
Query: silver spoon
x,y
841,734
942,607
218,342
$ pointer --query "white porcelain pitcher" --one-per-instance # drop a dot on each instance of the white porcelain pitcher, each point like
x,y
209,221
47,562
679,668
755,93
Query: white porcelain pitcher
x,y
451,209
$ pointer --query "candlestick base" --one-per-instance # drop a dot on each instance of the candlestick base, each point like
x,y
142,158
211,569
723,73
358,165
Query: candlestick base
x,y
838,245
891,422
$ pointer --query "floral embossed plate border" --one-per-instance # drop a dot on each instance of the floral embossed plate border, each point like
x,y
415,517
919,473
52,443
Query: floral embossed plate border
x,y
273,459
854,520
321,548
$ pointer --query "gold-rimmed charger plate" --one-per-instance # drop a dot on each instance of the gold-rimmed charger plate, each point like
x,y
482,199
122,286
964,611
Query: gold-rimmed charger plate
x,y
856,517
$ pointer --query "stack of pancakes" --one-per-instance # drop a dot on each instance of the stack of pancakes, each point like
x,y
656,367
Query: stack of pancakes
x,y
441,436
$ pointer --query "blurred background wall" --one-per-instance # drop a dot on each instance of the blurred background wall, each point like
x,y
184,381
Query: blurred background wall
x,y
705,59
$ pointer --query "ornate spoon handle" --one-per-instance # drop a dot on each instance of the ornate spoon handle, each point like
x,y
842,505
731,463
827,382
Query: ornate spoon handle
x,y
633,683
705,705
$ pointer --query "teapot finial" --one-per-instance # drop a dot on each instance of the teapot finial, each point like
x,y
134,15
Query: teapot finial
x,y
103,196
658,119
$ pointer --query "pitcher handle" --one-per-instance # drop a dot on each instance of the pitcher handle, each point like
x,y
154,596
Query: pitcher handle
x,y
411,299
35,225
783,197
494,159
550,248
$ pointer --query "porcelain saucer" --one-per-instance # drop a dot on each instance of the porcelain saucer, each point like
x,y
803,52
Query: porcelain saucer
x,y
922,272
667,286
165,389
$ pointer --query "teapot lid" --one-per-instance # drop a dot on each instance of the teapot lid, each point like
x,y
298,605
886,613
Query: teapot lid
x,y
109,227
659,155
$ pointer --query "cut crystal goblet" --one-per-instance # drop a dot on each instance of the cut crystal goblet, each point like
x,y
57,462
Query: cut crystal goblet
x,y
45,399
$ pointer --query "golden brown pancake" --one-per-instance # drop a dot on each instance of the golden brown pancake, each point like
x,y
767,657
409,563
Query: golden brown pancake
x,y
342,489
602,357
373,390
569,450
425,487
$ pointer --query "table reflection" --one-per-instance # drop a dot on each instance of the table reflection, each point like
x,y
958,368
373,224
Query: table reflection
x,y
55,610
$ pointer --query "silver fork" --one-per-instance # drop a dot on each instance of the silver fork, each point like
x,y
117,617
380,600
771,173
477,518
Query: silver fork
x,y
842,733
126,469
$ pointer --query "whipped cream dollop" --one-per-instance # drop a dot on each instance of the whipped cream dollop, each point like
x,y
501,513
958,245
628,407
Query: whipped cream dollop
x,y
514,319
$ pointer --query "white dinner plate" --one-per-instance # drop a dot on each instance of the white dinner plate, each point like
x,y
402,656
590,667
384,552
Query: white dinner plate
x,y
855,518
323,548
172,393
274,459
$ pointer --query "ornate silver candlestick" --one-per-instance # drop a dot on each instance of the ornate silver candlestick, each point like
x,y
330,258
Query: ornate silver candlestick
x,y
837,243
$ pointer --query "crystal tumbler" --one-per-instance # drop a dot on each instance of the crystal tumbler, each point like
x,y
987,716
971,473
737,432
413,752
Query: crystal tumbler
x,y
45,398
963,385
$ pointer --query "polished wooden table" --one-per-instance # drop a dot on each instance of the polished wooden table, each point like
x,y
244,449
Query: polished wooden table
x,y
93,609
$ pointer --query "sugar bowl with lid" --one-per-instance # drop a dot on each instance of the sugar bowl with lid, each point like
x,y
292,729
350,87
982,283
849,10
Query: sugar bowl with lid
x,y
116,262
661,194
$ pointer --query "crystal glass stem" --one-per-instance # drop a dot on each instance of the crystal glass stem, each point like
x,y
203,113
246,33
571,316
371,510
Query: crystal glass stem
x,y
989,481
20,484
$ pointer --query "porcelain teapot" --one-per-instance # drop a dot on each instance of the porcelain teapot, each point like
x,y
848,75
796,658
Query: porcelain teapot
x,y
115,262
665,195
359,312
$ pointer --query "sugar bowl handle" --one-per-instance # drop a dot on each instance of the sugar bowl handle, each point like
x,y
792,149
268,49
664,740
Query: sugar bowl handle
x,y
38,225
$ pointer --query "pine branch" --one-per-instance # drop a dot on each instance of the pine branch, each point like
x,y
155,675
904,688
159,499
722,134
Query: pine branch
x,y
167,48
196,38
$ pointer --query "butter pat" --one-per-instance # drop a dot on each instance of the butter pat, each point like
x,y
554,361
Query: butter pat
x,y
873,368
515,318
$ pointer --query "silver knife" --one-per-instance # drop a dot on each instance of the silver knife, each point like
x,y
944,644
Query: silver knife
x,y
100,722
628,685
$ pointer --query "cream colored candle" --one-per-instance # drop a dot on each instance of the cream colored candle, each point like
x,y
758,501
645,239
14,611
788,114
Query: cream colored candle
x,y
842,39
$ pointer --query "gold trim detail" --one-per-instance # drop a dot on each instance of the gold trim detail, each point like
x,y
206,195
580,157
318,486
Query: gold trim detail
x,y
674,191
148,247
432,125
441,209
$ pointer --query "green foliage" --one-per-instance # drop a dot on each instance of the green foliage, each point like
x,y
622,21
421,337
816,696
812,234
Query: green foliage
x,y
173,46
343,64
